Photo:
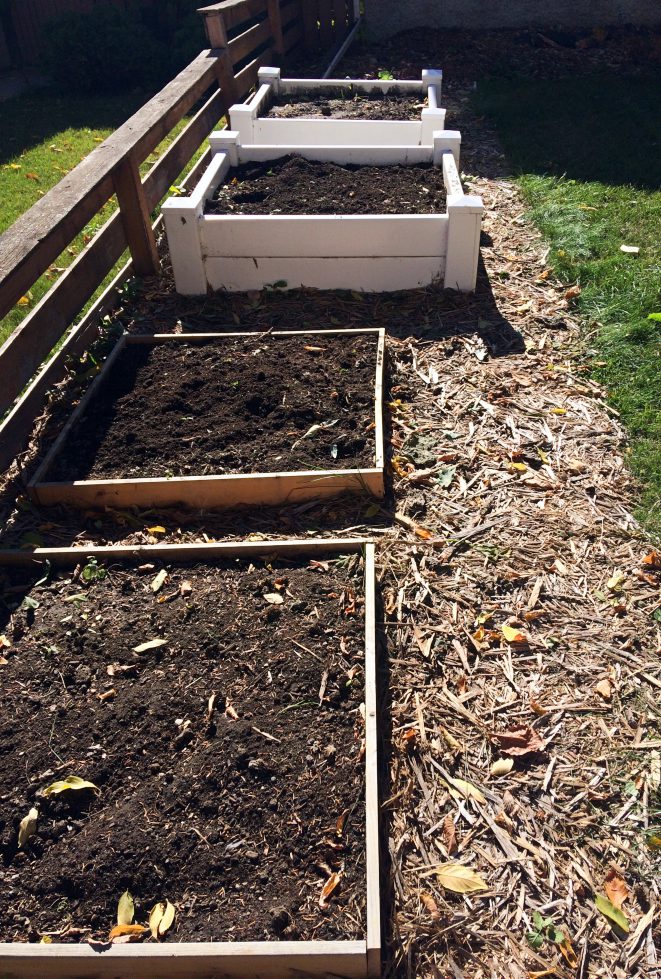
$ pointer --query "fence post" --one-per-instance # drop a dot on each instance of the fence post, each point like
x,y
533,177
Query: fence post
x,y
136,218
275,20
214,26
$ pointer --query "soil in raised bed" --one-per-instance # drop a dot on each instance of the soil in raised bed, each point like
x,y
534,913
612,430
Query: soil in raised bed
x,y
238,405
294,185
228,760
347,104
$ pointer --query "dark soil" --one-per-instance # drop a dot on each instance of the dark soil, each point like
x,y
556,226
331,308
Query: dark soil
x,y
346,104
232,406
228,761
294,185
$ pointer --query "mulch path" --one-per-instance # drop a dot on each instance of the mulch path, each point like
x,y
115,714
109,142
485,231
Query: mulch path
x,y
521,599
294,185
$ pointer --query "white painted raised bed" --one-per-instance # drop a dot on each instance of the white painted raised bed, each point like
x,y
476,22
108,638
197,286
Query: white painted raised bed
x,y
250,121
374,253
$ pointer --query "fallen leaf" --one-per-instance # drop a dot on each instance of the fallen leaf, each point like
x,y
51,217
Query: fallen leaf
x,y
72,783
45,940
125,909
4,643
629,249
605,689
156,530
23,301
502,767
462,880
328,889
151,644
568,953
161,918
616,888
466,789
615,583
273,598
126,931
572,293
521,740
514,635
614,915
159,580
422,533
33,176
558,411
430,904
653,559
449,835
27,827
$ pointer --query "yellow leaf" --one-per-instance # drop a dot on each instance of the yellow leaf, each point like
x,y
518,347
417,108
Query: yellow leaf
x,y
157,530
152,644
518,466
513,635
23,301
125,909
46,940
70,784
422,533
120,930
502,767
543,456
328,889
4,642
462,880
558,411
27,827
159,580
467,789
13,166
161,918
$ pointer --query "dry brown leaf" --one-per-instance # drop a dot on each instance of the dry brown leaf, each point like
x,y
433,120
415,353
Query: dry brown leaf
x,y
605,689
328,889
572,293
616,889
653,559
126,931
522,740
448,835
459,879
430,904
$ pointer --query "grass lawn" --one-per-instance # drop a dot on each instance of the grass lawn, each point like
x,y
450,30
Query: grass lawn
x,y
587,154
43,135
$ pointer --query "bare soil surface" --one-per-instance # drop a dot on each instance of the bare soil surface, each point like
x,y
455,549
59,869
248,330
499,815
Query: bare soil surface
x,y
262,404
227,759
294,185
347,104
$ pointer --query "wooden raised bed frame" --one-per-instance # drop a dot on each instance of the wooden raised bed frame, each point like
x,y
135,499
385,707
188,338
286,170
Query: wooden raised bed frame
x,y
234,960
375,253
250,121
205,492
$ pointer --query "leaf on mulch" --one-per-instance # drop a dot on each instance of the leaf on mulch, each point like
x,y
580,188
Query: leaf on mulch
x,y
449,835
523,740
125,909
328,889
465,789
273,598
27,827
572,293
615,915
616,889
72,783
161,918
502,767
605,689
151,644
156,530
462,880
430,904
653,559
513,635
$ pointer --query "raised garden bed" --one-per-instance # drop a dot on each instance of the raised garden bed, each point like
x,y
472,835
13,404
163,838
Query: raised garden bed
x,y
221,700
287,111
213,420
375,252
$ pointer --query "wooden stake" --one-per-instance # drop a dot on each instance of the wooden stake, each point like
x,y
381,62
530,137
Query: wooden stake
x,y
136,218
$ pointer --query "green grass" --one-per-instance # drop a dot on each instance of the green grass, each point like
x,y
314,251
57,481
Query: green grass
x,y
587,155
44,135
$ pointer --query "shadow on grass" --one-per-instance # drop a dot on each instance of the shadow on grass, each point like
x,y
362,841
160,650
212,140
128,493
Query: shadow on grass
x,y
597,128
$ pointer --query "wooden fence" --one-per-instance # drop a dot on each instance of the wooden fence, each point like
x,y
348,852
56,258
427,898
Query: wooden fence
x,y
244,35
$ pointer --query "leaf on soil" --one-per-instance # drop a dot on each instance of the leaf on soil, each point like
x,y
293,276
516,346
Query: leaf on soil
x,y
161,918
523,740
430,904
126,932
615,583
27,827
616,889
502,767
151,644
605,689
465,789
568,953
462,880
514,635
185,589
273,598
125,909
328,889
72,783
614,915
449,835
159,580
4,643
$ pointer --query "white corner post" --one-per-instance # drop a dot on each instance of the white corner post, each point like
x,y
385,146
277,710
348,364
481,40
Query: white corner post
x,y
443,142
269,76
225,141
463,251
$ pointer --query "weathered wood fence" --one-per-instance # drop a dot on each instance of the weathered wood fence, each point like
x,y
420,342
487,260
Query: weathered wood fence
x,y
244,35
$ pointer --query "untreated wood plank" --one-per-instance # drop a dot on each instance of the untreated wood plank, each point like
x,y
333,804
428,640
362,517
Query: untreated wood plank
x,y
249,42
135,217
234,12
247,77
31,244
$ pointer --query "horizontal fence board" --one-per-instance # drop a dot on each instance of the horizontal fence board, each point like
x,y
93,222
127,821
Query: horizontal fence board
x,y
235,12
29,246
293,35
247,77
25,349
250,41
167,169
